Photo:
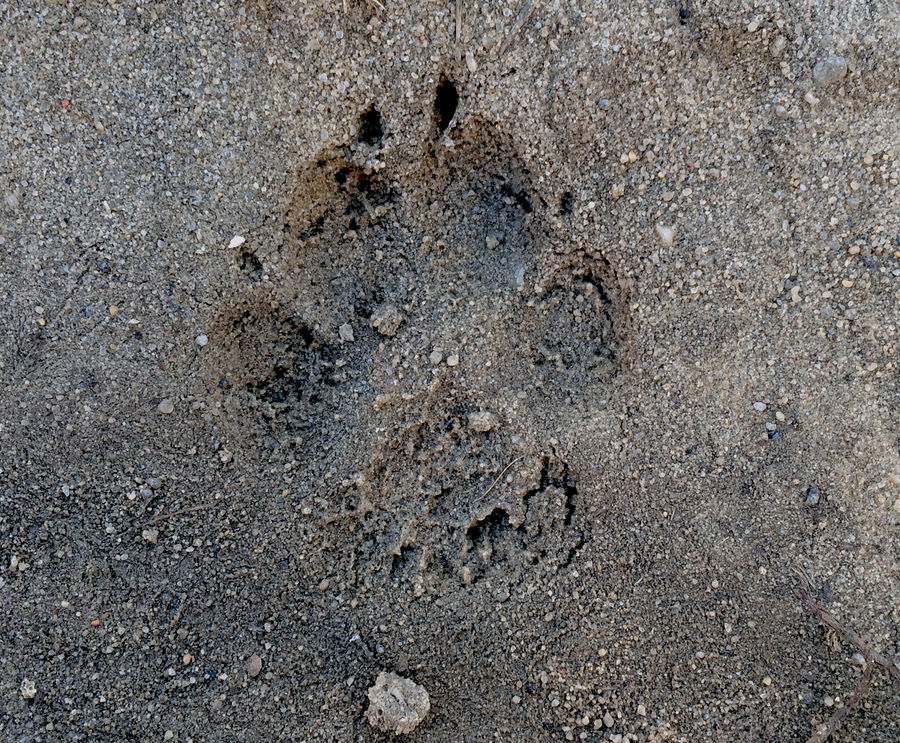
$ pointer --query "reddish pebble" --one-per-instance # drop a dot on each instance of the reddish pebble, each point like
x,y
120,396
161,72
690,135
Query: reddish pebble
x,y
95,623
66,102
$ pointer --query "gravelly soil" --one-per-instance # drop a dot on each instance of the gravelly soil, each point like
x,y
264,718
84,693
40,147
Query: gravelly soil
x,y
534,352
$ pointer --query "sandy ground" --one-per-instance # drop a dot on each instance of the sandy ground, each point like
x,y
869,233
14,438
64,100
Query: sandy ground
x,y
535,352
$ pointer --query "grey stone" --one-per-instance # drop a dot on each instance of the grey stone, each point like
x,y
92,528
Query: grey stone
x,y
829,70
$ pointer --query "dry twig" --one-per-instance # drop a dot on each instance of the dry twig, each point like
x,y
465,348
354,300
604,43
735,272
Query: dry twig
x,y
834,722
873,658
852,638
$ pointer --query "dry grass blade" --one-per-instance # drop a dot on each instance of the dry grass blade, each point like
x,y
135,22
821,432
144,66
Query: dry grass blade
x,y
500,475
521,18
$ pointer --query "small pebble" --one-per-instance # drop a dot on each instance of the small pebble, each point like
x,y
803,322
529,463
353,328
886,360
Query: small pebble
x,y
666,235
237,241
453,359
166,406
386,319
150,535
396,705
828,701
482,421
812,496
254,665
28,689
435,357
759,406
608,720
642,710
470,62
519,276
201,340
858,659
829,70
346,332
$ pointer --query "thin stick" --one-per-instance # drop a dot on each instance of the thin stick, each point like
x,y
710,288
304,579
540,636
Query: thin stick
x,y
500,475
834,722
873,656
166,516
458,26
521,18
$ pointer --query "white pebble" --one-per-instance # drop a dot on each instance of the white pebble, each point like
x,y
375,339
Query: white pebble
x,y
346,332
166,406
482,421
435,357
201,340
453,359
150,535
470,62
760,406
28,689
396,705
237,241
666,235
